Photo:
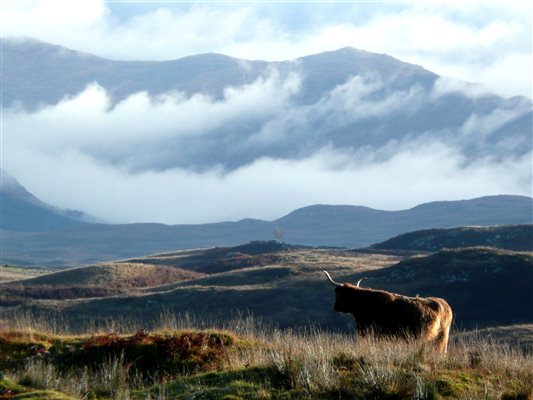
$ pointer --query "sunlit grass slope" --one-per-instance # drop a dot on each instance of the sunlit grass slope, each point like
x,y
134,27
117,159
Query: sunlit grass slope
x,y
249,361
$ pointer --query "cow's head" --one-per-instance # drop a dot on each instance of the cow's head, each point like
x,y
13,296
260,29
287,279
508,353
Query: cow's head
x,y
344,294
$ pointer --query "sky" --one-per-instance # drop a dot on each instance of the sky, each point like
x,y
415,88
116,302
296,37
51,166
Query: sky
x,y
484,42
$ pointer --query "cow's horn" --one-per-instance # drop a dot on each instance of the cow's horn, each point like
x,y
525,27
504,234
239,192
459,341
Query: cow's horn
x,y
360,280
332,281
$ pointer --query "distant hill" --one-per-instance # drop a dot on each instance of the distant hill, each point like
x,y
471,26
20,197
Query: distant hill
x,y
351,225
65,72
101,280
320,225
511,237
23,212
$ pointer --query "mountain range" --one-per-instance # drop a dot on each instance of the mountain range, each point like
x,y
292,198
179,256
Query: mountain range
x,y
346,106
347,100
65,72
52,237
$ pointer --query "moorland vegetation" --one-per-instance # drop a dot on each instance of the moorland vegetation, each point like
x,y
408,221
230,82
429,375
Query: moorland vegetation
x,y
169,326
185,358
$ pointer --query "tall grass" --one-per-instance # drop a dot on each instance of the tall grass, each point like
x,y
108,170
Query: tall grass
x,y
110,380
240,322
302,364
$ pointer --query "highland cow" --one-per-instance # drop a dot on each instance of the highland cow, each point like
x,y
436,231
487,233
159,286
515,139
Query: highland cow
x,y
388,314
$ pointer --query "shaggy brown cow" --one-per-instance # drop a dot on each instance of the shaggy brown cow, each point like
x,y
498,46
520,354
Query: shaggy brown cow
x,y
390,314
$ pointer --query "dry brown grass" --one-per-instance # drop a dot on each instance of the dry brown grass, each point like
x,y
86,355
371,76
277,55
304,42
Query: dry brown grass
x,y
120,275
13,273
309,364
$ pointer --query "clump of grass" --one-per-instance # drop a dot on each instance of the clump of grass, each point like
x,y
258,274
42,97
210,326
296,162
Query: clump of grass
x,y
113,378
39,374
304,360
110,380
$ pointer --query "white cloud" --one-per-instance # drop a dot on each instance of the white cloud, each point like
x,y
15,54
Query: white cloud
x,y
133,131
49,19
444,85
481,126
124,163
353,101
269,188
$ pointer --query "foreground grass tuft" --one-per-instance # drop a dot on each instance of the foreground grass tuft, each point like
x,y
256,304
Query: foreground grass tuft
x,y
265,364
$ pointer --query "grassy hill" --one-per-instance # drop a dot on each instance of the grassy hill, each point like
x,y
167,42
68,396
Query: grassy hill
x,y
120,275
101,280
14,272
281,284
510,237
223,259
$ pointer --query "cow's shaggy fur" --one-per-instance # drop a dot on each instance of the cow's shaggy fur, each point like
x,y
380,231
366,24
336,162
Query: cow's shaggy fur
x,y
389,314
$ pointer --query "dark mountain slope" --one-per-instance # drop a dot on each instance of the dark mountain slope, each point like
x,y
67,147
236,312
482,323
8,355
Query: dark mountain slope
x,y
64,72
484,286
67,72
350,226
23,212
512,237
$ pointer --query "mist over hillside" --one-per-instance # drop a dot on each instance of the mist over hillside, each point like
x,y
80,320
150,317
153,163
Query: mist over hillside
x,y
262,138
347,99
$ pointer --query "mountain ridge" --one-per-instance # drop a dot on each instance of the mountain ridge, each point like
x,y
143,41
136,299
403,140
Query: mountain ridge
x,y
71,71
64,241
345,100
10,185
23,212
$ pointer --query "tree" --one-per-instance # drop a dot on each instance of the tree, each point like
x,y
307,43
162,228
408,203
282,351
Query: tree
x,y
278,234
